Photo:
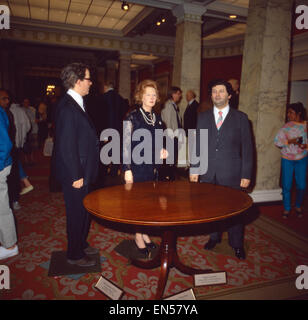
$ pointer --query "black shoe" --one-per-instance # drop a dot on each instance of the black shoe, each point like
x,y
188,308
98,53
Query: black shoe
x,y
90,250
286,214
150,245
210,244
143,251
83,262
299,212
240,253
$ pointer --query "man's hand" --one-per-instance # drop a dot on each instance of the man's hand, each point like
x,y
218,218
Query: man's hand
x,y
193,177
128,176
78,183
245,183
164,154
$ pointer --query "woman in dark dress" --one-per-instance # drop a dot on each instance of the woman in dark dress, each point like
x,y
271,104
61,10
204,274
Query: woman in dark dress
x,y
142,118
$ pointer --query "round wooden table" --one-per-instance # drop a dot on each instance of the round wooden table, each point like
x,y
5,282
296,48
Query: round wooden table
x,y
166,205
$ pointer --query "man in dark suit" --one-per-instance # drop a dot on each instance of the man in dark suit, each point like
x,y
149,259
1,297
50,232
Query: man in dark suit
x,y
76,156
234,101
190,114
110,112
230,155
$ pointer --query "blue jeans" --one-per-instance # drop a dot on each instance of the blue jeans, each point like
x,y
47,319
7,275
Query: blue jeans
x,y
298,168
22,173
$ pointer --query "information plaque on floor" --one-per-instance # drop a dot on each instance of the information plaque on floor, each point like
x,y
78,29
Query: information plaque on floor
x,y
109,289
209,279
60,267
183,295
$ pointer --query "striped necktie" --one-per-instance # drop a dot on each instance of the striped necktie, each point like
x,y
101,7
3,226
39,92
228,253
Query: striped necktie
x,y
219,120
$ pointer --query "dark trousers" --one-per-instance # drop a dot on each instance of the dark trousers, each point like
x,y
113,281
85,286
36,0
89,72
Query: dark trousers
x,y
77,221
235,233
13,179
234,226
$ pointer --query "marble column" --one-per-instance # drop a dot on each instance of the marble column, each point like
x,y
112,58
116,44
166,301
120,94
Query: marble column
x,y
111,71
125,76
187,57
264,84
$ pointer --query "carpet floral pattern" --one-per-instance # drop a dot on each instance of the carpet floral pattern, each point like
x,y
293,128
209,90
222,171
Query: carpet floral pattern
x,y
42,229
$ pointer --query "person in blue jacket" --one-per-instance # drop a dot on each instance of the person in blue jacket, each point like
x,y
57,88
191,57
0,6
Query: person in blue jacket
x,y
8,237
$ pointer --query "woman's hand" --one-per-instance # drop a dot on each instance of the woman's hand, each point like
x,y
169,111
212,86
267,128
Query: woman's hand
x,y
245,183
128,176
164,154
295,141
292,141
78,183
193,177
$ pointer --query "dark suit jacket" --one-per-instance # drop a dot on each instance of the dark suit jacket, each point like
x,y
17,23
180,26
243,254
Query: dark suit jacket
x,y
190,116
230,153
114,109
76,151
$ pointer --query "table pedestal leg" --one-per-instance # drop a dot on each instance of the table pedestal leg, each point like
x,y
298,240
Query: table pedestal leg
x,y
167,250
167,258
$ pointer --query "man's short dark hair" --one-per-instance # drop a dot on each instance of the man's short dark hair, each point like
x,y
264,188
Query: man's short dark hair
x,y
173,90
72,73
109,84
221,82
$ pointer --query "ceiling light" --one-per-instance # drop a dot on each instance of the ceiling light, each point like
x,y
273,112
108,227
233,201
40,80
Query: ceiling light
x,y
232,16
163,20
125,6
158,23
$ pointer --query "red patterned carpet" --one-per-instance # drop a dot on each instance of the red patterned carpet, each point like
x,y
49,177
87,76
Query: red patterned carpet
x,y
267,273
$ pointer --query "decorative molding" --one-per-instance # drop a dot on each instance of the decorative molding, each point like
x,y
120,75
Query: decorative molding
x,y
266,195
226,47
189,12
157,45
147,45
233,46
35,24
235,50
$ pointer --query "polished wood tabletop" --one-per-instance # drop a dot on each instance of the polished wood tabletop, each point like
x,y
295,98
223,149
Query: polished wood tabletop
x,y
166,203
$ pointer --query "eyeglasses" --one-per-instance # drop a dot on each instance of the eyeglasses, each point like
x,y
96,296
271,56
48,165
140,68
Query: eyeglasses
x,y
89,79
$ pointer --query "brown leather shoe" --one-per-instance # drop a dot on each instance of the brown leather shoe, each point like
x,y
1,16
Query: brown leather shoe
x,y
90,250
83,262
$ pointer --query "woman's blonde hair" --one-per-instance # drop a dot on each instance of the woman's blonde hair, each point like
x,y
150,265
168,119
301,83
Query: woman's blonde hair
x,y
141,88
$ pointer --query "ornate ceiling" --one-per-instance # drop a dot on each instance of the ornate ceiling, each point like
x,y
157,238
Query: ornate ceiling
x,y
107,17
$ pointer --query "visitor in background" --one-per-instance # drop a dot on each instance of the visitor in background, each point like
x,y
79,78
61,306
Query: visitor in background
x,y
292,140
8,237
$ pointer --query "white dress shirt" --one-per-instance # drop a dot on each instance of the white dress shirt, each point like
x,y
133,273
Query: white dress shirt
x,y
224,111
77,97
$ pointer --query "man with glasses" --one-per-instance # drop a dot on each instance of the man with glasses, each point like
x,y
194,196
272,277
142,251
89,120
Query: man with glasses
x,y
76,158
8,237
